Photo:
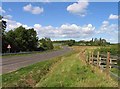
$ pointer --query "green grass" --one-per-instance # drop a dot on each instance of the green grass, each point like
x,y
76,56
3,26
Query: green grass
x,y
63,71
71,72
57,47
113,49
115,71
34,72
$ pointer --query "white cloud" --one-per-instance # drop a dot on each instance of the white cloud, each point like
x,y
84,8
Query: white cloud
x,y
105,23
37,26
65,31
78,8
106,27
46,1
33,10
109,31
113,16
11,24
7,17
1,10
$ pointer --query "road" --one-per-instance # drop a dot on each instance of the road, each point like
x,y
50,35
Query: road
x,y
13,63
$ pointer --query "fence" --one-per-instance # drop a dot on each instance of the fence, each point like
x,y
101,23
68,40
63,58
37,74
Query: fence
x,y
104,62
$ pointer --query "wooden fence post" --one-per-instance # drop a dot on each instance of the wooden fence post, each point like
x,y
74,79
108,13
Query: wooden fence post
x,y
108,63
92,57
88,57
86,54
98,59
100,62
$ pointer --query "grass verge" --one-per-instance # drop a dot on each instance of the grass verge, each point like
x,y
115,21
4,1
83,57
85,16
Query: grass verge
x,y
72,72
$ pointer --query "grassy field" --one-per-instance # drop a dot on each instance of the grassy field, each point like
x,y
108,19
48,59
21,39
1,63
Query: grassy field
x,y
65,71
113,49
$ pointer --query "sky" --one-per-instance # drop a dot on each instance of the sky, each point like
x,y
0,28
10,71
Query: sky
x,y
64,20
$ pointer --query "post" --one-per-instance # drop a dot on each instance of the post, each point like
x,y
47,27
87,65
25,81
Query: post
x,y
108,63
92,57
100,62
98,59
89,58
9,50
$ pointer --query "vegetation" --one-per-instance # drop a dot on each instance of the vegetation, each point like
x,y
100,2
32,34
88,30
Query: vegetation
x,y
71,42
93,42
71,72
3,26
45,44
28,76
22,39
113,49
64,71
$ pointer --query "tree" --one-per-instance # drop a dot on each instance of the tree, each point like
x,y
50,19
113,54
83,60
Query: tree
x,y
26,39
22,39
3,25
11,38
71,42
32,39
46,43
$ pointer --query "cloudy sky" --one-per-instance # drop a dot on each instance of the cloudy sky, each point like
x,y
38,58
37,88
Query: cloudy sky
x,y
64,20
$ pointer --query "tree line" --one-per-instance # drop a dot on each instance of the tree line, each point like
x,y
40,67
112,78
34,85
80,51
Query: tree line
x,y
93,42
22,39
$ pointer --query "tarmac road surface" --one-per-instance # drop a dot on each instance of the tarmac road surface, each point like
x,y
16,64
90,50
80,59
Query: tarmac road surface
x,y
13,63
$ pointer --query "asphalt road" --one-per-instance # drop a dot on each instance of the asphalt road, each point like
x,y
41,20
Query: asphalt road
x,y
16,62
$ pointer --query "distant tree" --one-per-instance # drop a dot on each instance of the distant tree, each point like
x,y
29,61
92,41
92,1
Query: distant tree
x,y
46,43
71,42
91,42
104,42
95,41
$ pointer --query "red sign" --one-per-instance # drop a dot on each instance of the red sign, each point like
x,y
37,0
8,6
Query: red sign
x,y
8,46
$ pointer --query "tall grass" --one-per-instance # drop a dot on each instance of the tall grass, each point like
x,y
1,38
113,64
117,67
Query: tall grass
x,y
113,49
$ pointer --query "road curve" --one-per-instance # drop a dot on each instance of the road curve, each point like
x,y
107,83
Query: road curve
x,y
17,62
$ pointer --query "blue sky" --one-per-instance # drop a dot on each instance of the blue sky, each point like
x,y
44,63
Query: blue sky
x,y
65,20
